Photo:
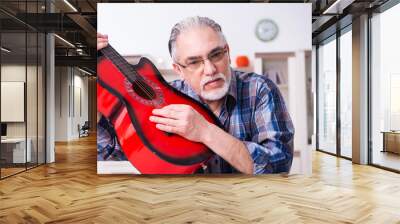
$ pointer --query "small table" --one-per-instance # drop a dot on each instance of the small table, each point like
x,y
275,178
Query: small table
x,y
391,141
17,150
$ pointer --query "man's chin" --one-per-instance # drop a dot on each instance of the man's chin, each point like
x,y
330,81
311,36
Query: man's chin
x,y
213,95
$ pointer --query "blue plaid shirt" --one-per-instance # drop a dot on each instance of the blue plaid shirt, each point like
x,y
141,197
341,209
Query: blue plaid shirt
x,y
255,113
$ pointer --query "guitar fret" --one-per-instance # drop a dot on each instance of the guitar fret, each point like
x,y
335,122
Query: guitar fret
x,y
120,62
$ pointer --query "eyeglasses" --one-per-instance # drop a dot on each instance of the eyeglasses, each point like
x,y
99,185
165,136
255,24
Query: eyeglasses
x,y
214,57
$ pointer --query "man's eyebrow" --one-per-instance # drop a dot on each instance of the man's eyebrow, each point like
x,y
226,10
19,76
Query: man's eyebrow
x,y
215,49
198,57
192,58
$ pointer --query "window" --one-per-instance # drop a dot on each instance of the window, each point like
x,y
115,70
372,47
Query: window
x,y
385,89
346,94
22,77
327,97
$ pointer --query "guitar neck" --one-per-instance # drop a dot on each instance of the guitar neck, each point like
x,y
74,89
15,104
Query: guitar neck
x,y
120,62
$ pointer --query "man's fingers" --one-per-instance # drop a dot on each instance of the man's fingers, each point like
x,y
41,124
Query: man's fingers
x,y
177,107
163,120
166,112
175,111
102,44
166,128
102,41
99,35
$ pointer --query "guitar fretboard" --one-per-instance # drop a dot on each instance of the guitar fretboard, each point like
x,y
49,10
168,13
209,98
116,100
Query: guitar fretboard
x,y
120,62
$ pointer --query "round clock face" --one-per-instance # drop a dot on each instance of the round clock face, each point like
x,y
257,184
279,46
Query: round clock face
x,y
266,30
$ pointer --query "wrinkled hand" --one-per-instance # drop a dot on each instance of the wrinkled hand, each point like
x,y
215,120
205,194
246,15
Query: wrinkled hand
x,y
181,119
102,41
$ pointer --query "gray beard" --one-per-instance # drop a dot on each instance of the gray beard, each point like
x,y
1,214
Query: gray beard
x,y
215,94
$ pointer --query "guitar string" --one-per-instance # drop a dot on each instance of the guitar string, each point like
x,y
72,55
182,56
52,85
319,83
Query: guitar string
x,y
113,54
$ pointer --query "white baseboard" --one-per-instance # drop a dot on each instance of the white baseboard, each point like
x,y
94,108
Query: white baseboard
x,y
116,167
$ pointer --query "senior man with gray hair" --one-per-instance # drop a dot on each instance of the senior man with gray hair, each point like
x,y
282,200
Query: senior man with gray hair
x,y
258,133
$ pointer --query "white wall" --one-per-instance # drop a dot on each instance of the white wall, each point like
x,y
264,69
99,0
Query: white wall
x,y
33,125
80,83
68,81
12,73
144,29
297,96
61,103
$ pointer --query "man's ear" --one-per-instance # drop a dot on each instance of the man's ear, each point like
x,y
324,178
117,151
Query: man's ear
x,y
178,70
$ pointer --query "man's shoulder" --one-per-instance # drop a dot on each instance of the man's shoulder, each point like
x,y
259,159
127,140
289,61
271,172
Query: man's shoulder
x,y
254,80
178,84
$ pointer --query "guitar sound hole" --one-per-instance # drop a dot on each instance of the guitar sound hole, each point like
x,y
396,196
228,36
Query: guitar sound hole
x,y
143,90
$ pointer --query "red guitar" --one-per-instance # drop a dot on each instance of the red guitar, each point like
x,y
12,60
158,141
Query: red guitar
x,y
126,96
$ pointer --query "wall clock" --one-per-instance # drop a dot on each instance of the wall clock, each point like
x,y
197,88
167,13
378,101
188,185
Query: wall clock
x,y
266,30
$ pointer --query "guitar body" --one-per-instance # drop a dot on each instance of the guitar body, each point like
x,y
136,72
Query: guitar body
x,y
128,103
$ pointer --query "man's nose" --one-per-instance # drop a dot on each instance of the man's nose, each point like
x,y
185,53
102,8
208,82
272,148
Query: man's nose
x,y
209,67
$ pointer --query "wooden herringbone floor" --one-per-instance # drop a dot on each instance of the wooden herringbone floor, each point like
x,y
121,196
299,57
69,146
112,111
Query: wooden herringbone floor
x,y
70,191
